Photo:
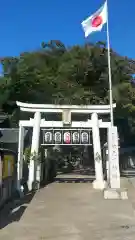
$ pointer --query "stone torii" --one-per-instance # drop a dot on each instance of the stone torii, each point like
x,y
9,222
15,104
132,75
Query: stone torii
x,y
94,123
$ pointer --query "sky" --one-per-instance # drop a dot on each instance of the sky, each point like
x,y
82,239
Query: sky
x,y
24,24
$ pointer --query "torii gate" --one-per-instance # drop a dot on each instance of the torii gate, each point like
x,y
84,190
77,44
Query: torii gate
x,y
94,123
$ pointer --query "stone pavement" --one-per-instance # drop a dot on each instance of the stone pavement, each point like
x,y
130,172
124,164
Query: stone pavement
x,y
70,211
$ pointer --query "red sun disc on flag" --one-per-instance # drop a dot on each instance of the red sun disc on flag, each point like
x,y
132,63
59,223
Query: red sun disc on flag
x,y
96,21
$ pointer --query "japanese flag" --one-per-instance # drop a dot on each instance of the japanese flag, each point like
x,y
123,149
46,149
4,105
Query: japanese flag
x,y
96,21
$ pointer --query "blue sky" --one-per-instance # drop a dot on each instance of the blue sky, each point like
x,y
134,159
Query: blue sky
x,y
24,24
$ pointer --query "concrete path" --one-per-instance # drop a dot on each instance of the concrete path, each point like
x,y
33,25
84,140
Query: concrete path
x,y
69,211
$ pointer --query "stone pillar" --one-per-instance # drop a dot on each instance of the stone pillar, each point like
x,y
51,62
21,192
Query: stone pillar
x,y
107,166
34,150
99,183
113,155
20,157
114,191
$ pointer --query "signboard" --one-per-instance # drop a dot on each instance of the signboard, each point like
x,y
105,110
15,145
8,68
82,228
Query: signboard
x,y
8,166
66,136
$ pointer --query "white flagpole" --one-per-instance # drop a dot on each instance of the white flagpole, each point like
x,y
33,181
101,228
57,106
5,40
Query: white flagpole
x,y
109,70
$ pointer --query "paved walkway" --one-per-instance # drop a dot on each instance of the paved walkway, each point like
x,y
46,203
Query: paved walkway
x,y
70,211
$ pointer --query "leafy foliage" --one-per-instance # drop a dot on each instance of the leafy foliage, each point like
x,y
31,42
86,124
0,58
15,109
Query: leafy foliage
x,y
75,75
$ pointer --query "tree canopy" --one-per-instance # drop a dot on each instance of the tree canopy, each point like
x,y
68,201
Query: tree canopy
x,y
70,75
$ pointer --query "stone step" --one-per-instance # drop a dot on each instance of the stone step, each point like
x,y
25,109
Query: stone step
x,y
120,194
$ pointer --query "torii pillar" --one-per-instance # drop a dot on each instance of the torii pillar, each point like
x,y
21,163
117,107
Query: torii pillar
x,y
99,182
34,149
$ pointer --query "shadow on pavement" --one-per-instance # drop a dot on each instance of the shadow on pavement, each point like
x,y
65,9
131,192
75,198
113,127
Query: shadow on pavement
x,y
14,210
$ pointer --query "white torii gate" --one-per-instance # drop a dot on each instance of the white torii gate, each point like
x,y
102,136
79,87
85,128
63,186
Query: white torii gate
x,y
94,124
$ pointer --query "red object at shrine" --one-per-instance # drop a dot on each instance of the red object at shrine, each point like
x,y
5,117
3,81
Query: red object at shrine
x,y
67,137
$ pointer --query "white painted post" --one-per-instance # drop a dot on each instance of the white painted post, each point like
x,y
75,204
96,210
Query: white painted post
x,y
34,148
99,183
107,165
20,157
113,154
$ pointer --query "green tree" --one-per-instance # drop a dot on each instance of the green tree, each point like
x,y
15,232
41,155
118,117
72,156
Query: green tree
x,y
70,75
